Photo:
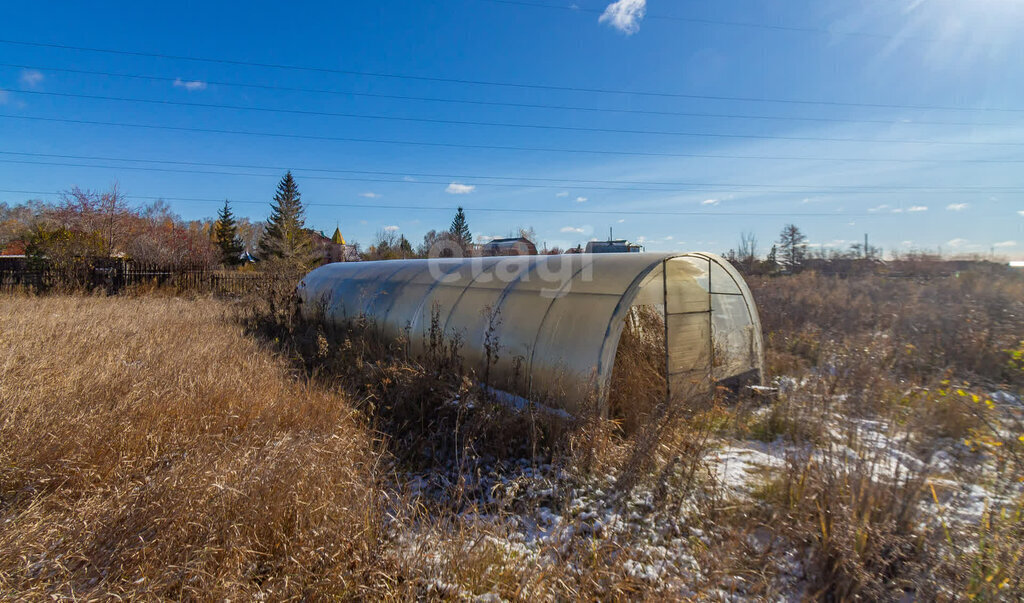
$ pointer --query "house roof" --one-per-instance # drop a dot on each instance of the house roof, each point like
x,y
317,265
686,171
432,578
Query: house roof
x,y
16,248
509,241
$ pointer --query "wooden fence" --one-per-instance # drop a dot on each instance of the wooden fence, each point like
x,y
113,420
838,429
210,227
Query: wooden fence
x,y
117,276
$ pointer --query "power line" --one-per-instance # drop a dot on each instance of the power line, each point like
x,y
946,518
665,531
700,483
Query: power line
x,y
572,183
461,122
726,23
155,78
498,147
463,81
484,209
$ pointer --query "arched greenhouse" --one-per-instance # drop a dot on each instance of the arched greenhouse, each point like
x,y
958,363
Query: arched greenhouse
x,y
553,323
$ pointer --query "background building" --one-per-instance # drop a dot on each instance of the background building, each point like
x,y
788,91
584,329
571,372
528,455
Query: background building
x,y
511,246
613,246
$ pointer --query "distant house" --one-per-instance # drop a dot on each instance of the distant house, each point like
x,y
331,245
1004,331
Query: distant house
x,y
333,249
516,246
12,257
14,248
613,246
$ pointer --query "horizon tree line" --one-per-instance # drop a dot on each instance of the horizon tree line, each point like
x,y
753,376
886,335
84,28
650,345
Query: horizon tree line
x,y
90,224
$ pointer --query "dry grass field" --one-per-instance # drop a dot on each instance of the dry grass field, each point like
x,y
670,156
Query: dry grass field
x,y
159,447
148,447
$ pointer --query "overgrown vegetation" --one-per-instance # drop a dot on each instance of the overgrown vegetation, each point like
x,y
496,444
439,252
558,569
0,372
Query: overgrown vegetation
x,y
148,448
163,448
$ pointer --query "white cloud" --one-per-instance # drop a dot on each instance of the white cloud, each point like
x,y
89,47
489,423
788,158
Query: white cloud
x,y
957,206
370,195
641,240
957,242
621,220
907,243
897,211
917,208
190,85
669,238
878,208
1002,244
581,199
459,189
30,78
709,202
562,194
625,15
1020,213
571,229
391,228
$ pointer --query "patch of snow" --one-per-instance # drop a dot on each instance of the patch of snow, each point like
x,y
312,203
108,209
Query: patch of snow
x,y
521,404
1005,397
741,466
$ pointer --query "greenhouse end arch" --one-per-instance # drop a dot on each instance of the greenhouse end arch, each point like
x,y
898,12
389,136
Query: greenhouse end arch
x,y
549,325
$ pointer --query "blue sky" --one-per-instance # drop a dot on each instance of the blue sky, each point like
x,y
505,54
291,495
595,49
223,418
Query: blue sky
x,y
903,118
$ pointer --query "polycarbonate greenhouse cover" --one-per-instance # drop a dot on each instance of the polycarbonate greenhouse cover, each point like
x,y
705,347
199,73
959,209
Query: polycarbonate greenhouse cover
x,y
549,325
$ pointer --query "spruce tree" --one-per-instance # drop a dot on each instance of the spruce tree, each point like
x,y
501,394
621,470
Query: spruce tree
x,y
460,230
226,237
285,239
405,247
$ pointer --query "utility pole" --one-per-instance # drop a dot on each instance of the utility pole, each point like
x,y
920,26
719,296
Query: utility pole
x,y
866,246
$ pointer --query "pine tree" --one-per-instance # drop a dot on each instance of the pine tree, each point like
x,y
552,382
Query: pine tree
x,y
460,230
405,247
226,237
285,238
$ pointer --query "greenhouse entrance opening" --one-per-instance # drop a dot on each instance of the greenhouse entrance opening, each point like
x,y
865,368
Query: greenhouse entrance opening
x,y
638,382
690,327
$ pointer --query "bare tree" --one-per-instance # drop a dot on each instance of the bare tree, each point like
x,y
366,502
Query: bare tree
x,y
867,252
388,245
438,244
525,232
747,254
17,220
106,215
86,225
792,247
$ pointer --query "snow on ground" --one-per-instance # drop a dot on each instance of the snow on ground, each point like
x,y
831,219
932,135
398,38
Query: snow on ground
x,y
537,511
742,465
534,512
